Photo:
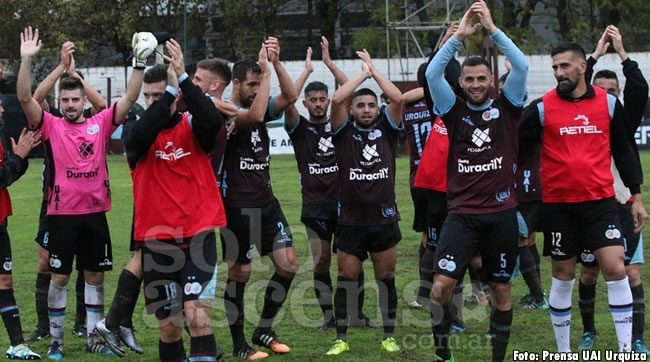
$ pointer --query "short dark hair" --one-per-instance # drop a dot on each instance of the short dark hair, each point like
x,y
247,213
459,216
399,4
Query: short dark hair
x,y
502,79
241,69
575,48
217,66
315,87
606,74
70,83
155,74
364,92
474,61
422,70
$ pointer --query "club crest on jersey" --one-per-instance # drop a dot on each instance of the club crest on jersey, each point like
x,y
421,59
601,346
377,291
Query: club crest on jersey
x,y
490,114
328,127
325,144
171,153
370,152
388,212
255,137
86,149
502,196
480,137
373,135
93,129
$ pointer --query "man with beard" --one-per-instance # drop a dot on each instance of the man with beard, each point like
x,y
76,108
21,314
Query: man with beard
x,y
635,97
255,218
316,159
579,129
212,77
166,148
368,219
482,157
79,191
67,65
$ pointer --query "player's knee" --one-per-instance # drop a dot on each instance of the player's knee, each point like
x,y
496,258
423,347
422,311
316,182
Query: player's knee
x,y
60,280
442,288
501,295
239,273
93,278
170,332
323,263
633,274
135,264
5,281
43,265
476,263
589,275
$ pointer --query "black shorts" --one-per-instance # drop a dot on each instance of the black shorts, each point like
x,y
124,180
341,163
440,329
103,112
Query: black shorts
x,y
176,271
264,227
532,213
572,229
42,236
5,249
85,236
630,239
430,213
320,220
494,236
360,240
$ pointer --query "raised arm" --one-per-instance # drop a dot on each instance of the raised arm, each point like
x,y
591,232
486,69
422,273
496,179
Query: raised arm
x,y
95,99
45,87
15,164
257,112
340,100
29,47
291,113
413,95
206,120
143,44
338,74
288,94
392,92
515,87
635,94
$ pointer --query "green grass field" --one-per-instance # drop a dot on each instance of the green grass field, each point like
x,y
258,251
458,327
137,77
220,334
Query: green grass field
x,y
298,322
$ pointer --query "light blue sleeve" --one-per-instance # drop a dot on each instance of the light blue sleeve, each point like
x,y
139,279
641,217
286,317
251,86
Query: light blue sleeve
x,y
443,96
515,87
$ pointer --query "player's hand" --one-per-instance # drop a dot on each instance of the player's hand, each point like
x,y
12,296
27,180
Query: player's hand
x,y
308,65
602,46
465,27
175,57
66,53
230,127
273,48
481,10
26,142
365,56
172,77
263,60
639,214
617,41
365,70
72,67
143,44
325,49
451,30
30,44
